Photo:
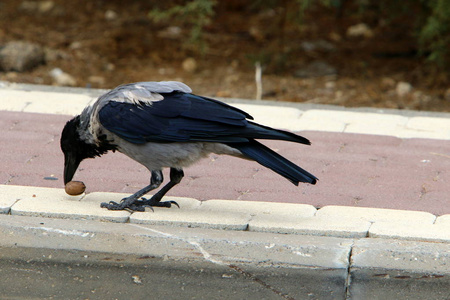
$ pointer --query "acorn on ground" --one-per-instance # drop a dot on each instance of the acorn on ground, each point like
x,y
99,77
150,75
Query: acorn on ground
x,y
75,188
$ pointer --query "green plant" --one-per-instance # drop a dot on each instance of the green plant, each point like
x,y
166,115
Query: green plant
x,y
434,36
196,14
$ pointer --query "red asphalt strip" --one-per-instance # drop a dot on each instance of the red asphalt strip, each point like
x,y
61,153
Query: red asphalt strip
x,y
353,169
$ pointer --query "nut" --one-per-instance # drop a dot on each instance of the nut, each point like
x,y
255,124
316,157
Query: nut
x,y
75,188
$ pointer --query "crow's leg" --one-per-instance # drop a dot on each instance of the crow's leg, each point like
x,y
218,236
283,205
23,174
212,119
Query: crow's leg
x,y
175,177
130,202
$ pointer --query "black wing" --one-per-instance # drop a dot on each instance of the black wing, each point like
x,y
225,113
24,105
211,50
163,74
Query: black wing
x,y
184,117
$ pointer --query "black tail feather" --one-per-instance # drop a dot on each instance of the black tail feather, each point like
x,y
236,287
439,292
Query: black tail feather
x,y
270,159
258,131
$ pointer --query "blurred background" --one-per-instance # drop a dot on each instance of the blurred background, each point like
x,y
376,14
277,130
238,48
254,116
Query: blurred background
x,y
370,53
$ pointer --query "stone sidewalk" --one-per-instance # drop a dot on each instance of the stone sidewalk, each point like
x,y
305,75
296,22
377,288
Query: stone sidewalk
x,y
382,199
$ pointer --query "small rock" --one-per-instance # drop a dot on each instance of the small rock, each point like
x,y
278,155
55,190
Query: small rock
x,y
29,5
109,67
403,88
45,6
420,99
232,78
61,78
166,71
171,32
330,85
387,82
52,54
12,76
319,45
334,36
223,94
37,6
256,33
20,56
136,279
76,45
234,64
98,80
190,65
447,95
360,30
110,15
316,69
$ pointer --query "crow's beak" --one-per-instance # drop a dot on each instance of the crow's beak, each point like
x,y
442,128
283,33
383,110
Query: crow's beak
x,y
71,164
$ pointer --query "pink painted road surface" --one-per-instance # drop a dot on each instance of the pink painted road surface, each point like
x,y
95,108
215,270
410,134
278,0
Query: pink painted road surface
x,y
353,169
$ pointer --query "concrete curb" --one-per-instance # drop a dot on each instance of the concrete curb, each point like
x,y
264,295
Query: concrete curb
x,y
285,218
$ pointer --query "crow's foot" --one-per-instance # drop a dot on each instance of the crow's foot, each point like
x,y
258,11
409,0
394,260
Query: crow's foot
x,y
137,205
122,206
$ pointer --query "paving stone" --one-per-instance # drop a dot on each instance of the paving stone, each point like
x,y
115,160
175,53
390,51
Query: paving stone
x,y
280,117
358,122
8,197
431,127
315,119
193,219
396,284
254,208
189,215
421,257
412,133
377,214
337,227
43,102
379,124
16,192
55,203
443,220
396,269
413,232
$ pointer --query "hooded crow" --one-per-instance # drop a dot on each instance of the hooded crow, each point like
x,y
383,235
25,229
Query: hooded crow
x,y
163,125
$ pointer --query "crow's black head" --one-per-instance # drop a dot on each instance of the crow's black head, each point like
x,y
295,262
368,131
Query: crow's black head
x,y
76,149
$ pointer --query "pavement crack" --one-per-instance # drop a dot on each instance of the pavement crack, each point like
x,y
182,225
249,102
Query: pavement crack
x,y
436,178
341,147
208,257
348,280
83,234
243,193
28,103
261,282
13,125
53,138
31,159
11,177
440,154
357,199
345,127
423,192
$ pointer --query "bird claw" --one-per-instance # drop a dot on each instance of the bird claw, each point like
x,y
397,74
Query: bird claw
x,y
138,205
112,205
174,202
